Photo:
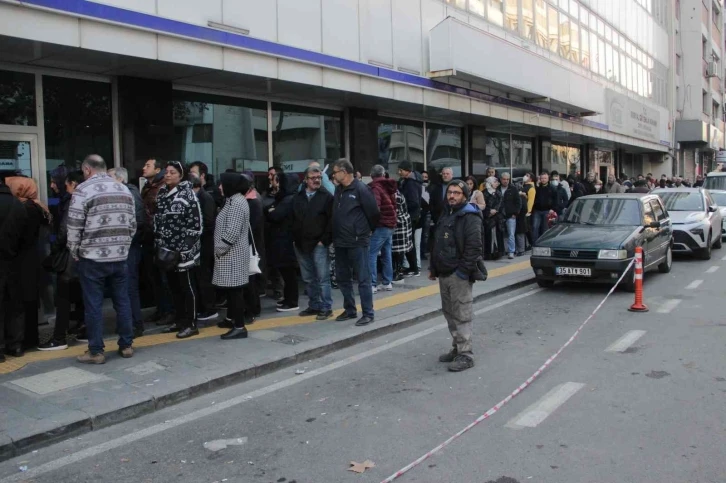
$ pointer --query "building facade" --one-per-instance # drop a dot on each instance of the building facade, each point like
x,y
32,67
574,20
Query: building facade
x,y
520,85
699,116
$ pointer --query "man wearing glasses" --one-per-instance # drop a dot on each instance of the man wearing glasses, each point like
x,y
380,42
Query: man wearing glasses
x,y
355,216
312,234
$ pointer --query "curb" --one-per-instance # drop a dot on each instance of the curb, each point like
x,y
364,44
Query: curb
x,y
91,423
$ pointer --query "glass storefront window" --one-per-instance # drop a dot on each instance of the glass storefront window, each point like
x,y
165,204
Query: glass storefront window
x,y
443,148
77,122
561,158
223,133
553,29
564,36
497,154
17,98
594,65
541,23
522,156
301,135
512,15
609,62
527,19
616,66
585,49
575,41
396,143
601,57
495,12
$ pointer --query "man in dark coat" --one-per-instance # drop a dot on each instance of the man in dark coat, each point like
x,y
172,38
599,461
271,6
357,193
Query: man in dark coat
x,y
546,200
204,271
384,190
509,209
410,184
456,251
13,218
312,232
200,169
355,216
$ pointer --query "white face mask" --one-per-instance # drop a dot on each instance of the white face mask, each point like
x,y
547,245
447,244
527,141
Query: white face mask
x,y
598,187
526,179
555,182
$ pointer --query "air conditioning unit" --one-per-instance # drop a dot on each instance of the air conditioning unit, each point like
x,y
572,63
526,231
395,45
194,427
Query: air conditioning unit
x,y
712,69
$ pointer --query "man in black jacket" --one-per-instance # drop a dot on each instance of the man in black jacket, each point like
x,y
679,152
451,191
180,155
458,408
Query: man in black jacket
x,y
510,208
410,184
13,218
312,232
205,270
456,249
200,169
355,216
545,201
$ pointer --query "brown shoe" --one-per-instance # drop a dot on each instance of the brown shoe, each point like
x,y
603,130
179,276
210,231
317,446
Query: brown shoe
x,y
126,352
88,358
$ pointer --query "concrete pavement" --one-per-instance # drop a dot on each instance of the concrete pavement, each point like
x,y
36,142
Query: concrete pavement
x,y
48,396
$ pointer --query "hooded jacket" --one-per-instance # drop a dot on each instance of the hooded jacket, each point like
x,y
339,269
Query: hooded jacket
x,y
355,215
462,221
412,188
280,215
384,190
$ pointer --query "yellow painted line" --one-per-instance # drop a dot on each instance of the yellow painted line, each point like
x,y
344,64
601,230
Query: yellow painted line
x,y
13,363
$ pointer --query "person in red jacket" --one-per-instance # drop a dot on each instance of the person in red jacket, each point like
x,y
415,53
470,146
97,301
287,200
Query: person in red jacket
x,y
384,190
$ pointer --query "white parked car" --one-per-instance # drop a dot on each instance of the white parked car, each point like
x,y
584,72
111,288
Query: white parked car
x,y
696,218
719,196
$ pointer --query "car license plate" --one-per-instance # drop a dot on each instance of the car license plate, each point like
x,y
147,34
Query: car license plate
x,y
577,272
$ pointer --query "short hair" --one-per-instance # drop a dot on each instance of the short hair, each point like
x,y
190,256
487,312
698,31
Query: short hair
x,y
312,169
277,169
158,162
553,173
378,171
506,173
120,173
195,180
544,172
75,177
448,168
94,162
203,169
344,164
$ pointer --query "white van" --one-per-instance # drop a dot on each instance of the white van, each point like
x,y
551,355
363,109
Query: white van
x,y
715,181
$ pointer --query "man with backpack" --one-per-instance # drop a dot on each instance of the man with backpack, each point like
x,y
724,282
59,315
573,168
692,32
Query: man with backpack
x,y
456,254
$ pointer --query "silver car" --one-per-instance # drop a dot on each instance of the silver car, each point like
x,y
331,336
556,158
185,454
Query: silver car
x,y
719,196
696,218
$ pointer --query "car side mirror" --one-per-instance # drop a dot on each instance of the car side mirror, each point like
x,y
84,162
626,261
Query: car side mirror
x,y
653,224
712,208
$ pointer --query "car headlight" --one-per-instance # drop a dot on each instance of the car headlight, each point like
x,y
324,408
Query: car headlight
x,y
541,252
612,254
696,231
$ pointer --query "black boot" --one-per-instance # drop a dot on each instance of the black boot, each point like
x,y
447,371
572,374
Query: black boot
x,y
235,333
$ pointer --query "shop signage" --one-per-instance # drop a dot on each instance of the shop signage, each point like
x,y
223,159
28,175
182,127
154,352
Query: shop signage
x,y
631,118
8,164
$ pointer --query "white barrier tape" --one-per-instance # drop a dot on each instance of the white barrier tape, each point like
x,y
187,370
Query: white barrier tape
x,y
514,393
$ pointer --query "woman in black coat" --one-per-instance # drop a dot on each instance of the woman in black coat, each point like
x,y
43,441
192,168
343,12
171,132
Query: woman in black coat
x,y
492,220
28,259
282,251
257,223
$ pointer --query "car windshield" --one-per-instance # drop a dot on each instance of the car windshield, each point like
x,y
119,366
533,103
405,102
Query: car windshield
x,y
682,200
604,211
715,182
719,198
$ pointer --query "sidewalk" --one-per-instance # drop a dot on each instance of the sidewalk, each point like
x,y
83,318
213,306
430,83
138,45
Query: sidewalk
x,y
48,396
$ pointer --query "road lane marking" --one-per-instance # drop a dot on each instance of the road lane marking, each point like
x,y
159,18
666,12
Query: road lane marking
x,y
622,344
713,269
235,401
694,285
668,305
539,411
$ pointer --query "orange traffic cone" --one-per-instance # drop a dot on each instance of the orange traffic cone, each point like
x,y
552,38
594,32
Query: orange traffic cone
x,y
638,306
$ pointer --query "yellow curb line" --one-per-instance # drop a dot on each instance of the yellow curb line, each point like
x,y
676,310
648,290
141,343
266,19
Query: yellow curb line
x,y
14,363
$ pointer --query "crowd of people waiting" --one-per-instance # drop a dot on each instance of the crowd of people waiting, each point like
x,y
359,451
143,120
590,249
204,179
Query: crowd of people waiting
x,y
202,245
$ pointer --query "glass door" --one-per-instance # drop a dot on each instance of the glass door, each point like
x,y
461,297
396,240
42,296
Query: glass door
x,y
19,155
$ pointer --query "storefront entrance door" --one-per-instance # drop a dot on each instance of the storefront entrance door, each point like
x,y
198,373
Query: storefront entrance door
x,y
19,154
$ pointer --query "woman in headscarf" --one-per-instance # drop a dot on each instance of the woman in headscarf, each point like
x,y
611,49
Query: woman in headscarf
x,y
68,288
28,258
178,228
493,233
232,250
476,197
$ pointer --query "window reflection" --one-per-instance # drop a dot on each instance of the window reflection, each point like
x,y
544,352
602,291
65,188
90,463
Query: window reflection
x,y
575,42
222,135
399,142
553,28
564,36
443,148
301,135
495,12
477,7
527,19
17,98
541,24
512,14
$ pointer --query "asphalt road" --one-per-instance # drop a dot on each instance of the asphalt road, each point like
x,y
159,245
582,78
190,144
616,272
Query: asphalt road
x,y
648,410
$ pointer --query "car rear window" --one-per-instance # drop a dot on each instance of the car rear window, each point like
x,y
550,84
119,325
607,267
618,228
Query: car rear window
x,y
715,182
681,200
605,211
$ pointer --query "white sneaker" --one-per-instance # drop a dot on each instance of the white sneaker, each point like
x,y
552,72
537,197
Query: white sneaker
x,y
375,289
388,288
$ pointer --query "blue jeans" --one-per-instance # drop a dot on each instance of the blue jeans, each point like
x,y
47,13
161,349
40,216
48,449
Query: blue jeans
x,y
93,277
539,224
381,240
347,260
315,271
132,270
511,234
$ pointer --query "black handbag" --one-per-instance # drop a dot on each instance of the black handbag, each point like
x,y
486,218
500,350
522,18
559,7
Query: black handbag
x,y
57,260
166,259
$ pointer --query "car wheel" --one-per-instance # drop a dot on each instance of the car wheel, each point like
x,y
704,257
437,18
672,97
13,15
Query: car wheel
x,y
705,253
719,243
545,283
665,267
